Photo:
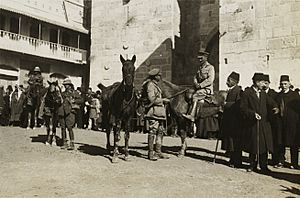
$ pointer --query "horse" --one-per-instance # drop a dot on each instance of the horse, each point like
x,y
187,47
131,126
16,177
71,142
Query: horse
x,y
119,106
179,105
48,111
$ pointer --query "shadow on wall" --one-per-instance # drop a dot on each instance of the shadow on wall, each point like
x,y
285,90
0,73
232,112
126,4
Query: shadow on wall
x,y
160,58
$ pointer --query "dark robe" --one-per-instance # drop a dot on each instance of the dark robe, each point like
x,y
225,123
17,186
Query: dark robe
x,y
251,104
289,117
231,122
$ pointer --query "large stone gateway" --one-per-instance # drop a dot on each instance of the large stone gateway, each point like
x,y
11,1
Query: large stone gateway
x,y
164,34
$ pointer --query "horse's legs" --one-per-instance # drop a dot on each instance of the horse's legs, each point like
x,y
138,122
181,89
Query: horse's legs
x,y
54,125
126,137
108,146
117,138
183,143
47,123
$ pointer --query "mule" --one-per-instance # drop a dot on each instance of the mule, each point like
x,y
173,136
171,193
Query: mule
x,y
179,105
119,107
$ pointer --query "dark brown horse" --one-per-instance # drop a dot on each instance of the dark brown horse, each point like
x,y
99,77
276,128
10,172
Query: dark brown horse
x,y
119,106
179,97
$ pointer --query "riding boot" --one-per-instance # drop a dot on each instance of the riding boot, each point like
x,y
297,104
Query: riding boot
x,y
64,139
71,134
191,115
159,139
151,147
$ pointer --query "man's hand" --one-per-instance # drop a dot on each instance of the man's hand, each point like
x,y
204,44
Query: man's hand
x,y
257,116
275,110
166,100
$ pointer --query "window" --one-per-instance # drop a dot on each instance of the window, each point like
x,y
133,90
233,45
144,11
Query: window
x,y
34,30
65,38
53,35
14,25
2,22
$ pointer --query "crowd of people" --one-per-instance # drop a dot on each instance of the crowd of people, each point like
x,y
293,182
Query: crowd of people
x,y
257,120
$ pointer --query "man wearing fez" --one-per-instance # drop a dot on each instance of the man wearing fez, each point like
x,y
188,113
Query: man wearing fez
x,y
231,122
155,113
257,133
203,83
289,122
273,118
66,113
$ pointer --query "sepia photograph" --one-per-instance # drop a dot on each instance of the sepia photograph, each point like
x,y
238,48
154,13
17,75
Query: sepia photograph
x,y
149,98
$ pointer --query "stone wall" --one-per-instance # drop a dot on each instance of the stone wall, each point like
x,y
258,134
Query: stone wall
x,y
260,36
143,28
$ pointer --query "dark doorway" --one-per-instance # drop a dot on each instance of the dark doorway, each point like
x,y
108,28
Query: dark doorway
x,y
14,25
53,35
34,30
2,22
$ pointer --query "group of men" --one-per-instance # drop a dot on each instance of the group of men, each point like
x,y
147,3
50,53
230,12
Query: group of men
x,y
258,120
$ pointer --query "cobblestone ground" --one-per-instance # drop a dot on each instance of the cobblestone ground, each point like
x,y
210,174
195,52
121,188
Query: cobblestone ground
x,y
29,168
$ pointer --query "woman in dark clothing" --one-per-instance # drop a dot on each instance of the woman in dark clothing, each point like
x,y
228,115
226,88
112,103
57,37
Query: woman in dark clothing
x,y
6,106
289,122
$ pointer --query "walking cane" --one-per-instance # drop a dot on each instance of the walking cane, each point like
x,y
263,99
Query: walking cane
x,y
216,150
257,138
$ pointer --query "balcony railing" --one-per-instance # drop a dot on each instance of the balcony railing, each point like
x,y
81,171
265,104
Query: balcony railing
x,y
37,47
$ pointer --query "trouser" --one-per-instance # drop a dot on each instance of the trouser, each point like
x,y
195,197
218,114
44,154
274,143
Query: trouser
x,y
278,155
236,157
263,160
156,130
293,152
67,122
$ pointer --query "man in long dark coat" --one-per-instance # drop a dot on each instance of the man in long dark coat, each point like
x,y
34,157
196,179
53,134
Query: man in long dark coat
x,y
274,120
289,130
257,134
230,127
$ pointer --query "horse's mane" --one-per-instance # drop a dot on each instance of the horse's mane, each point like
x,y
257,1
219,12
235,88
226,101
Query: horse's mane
x,y
169,89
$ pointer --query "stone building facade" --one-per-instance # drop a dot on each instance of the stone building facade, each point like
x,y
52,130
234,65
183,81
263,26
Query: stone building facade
x,y
163,34
260,35
50,34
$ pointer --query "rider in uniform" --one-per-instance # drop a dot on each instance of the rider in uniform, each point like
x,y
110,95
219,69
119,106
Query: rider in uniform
x,y
203,83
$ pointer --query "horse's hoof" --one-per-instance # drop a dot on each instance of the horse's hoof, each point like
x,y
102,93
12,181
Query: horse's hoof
x,y
114,159
127,158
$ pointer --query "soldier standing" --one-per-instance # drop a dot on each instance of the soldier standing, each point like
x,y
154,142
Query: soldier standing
x,y
256,127
203,83
231,127
155,114
66,113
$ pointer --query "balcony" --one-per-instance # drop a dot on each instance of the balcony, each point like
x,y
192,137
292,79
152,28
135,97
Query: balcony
x,y
32,46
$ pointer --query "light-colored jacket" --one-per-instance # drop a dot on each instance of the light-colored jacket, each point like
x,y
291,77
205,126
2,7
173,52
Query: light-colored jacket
x,y
204,79
157,109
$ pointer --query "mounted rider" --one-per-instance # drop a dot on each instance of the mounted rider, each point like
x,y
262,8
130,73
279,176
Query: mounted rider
x,y
203,83
35,82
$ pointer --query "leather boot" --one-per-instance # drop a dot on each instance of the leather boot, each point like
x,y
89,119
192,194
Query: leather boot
x,y
191,115
64,139
151,148
158,146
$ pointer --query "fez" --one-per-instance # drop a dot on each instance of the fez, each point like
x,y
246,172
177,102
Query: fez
x,y
235,76
267,78
284,78
258,77
154,72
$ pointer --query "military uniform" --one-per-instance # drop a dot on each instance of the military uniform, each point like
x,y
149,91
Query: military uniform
x,y
66,114
203,81
155,116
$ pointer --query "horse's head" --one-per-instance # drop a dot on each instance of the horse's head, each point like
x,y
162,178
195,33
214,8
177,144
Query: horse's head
x,y
52,86
128,70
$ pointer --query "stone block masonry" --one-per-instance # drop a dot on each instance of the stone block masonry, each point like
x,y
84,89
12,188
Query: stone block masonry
x,y
270,43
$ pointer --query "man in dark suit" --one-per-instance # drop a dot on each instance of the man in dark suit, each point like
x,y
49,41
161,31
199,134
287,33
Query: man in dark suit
x,y
289,121
257,135
231,128
274,119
